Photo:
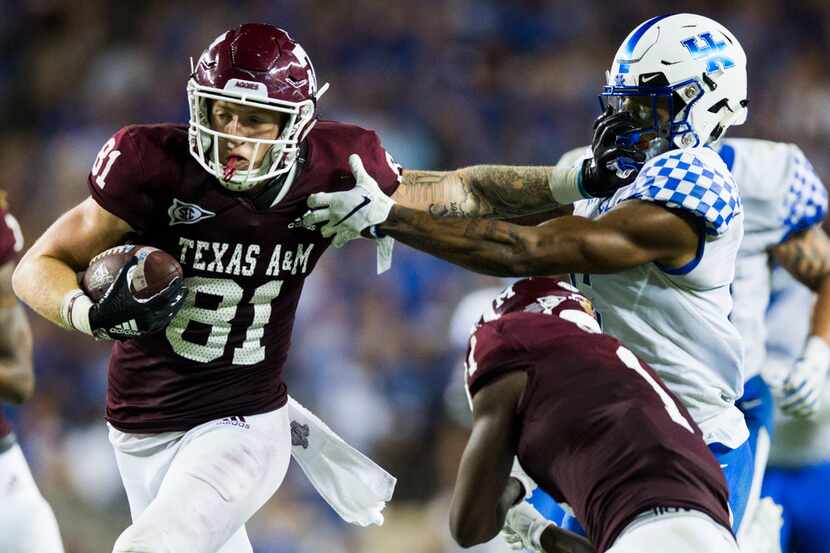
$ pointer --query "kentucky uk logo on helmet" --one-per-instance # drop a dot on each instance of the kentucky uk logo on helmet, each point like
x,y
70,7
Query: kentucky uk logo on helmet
x,y
683,76
709,51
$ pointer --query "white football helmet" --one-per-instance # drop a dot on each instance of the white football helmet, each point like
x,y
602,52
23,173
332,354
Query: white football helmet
x,y
686,66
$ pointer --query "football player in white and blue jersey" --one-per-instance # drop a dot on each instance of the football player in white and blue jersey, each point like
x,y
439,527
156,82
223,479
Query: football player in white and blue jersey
x,y
657,257
784,203
798,475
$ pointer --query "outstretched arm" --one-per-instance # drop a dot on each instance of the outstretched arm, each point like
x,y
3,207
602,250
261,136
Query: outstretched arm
x,y
630,235
349,213
510,192
488,191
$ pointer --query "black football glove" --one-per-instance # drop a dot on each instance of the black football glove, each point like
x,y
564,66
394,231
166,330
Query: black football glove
x,y
613,164
119,315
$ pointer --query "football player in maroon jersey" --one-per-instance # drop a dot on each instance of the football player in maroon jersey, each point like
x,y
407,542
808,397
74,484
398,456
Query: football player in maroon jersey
x,y
27,522
592,425
196,410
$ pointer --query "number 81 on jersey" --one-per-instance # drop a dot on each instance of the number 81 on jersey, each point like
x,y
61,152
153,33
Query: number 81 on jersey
x,y
217,322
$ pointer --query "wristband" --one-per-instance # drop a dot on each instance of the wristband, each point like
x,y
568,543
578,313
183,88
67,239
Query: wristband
x,y
375,232
565,186
74,311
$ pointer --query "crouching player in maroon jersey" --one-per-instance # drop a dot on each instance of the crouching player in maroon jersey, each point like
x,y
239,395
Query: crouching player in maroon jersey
x,y
196,411
588,422
27,522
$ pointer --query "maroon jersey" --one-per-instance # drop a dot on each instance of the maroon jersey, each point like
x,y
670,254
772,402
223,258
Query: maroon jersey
x,y
599,430
244,261
11,242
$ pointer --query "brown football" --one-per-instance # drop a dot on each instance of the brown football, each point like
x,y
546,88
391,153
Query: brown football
x,y
155,270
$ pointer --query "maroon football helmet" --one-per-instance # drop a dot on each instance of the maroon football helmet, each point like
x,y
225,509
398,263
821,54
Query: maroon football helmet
x,y
256,65
541,295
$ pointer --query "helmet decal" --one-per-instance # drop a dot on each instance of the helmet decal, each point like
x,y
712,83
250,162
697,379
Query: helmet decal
x,y
710,51
300,53
638,33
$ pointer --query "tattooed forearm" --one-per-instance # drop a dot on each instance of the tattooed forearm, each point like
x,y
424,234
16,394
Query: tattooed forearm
x,y
512,191
483,245
628,236
491,191
806,256
442,194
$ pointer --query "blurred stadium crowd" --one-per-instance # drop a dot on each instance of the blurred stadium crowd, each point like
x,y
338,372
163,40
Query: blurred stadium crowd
x,y
445,83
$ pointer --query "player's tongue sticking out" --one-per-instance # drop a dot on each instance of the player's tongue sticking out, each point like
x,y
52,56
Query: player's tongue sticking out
x,y
230,166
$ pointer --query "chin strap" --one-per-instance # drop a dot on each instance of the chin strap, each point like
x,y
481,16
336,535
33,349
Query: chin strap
x,y
322,90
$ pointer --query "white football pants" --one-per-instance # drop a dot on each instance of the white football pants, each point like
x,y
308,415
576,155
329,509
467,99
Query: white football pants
x,y
689,532
193,492
27,523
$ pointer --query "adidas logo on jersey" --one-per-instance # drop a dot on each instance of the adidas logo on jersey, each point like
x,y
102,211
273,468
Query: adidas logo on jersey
x,y
186,214
235,421
127,328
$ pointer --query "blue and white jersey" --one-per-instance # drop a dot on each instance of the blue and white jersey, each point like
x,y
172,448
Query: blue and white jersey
x,y
677,319
797,442
782,195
